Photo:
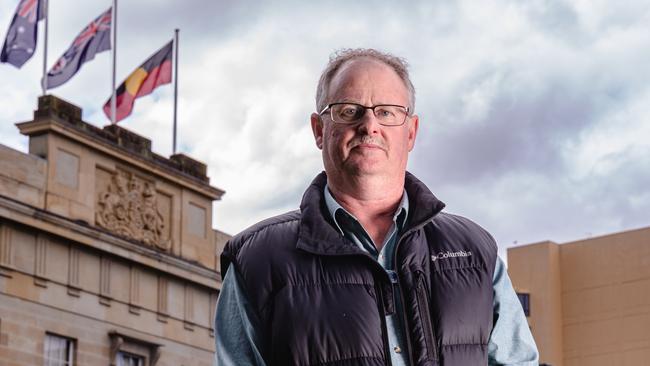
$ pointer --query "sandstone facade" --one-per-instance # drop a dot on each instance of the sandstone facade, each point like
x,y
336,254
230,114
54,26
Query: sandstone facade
x,y
105,244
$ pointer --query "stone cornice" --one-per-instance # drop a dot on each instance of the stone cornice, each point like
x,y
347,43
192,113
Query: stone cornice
x,y
63,118
41,126
92,237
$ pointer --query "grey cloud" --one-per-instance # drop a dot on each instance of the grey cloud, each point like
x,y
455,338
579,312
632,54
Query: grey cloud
x,y
558,18
623,190
523,129
508,93
201,18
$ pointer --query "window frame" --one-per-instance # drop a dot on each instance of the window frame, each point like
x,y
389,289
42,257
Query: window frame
x,y
524,300
142,360
133,345
71,346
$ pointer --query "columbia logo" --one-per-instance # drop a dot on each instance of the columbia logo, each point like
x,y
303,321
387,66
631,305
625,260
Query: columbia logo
x,y
448,254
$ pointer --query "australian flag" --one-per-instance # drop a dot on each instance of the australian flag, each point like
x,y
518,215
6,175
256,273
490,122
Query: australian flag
x,y
20,43
95,38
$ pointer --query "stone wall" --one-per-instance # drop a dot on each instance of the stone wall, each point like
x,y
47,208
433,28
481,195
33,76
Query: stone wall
x,y
22,176
58,286
105,243
110,179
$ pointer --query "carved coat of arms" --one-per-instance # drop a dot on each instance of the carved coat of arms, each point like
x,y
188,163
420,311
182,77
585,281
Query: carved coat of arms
x,y
128,207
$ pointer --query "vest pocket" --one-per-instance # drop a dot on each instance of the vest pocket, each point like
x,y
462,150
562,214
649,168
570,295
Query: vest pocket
x,y
425,315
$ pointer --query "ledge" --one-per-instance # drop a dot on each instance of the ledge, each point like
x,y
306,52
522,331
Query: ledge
x,y
63,118
89,236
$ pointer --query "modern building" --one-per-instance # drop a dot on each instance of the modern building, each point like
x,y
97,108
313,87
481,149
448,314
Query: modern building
x,y
587,301
107,253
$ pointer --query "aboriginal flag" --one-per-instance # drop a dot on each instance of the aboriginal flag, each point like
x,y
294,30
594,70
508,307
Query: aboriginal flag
x,y
156,71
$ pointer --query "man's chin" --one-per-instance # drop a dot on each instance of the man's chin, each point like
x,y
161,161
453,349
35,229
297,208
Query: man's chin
x,y
366,167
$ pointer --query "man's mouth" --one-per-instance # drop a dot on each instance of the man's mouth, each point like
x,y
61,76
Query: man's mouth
x,y
367,142
370,146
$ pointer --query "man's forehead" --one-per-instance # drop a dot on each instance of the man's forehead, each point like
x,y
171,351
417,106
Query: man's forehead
x,y
363,64
351,76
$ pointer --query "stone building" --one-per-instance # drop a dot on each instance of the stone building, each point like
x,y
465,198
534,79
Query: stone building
x,y
107,254
587,301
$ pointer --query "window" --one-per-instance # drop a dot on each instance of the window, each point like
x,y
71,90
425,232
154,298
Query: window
x,y
59,351
130,350
524,299
129,359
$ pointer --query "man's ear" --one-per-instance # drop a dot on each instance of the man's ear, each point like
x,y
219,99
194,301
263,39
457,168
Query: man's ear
x,y
317,129
413,124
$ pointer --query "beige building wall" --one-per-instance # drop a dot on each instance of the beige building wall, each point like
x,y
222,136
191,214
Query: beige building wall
x,y
536,271
590,299
105,243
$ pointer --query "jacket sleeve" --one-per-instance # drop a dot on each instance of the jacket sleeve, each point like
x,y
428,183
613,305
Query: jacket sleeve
x,y
511,342
237,334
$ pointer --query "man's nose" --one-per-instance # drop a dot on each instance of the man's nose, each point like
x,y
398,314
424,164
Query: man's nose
x,y
368,123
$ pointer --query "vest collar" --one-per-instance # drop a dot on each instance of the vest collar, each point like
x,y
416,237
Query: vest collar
x,y
318,233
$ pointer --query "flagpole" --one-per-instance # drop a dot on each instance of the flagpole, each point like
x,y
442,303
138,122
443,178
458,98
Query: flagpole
x,y
114,56
46,20
175,85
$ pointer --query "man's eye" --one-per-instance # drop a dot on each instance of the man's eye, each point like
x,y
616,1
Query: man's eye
x,y
384,113
349,111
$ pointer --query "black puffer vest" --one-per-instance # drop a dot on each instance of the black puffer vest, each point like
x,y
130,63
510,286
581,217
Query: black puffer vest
x,y
322,301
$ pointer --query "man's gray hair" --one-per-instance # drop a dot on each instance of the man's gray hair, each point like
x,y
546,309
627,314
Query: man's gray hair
x,y
342,56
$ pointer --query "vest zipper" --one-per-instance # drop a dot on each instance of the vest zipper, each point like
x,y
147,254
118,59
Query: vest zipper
x,y
409,345
384,328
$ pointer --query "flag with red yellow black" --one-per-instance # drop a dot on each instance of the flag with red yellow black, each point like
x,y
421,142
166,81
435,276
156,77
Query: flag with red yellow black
x,y
156,71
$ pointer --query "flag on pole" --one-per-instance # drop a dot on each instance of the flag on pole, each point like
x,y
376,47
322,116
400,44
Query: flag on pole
x,y
20,43
156,71
95,38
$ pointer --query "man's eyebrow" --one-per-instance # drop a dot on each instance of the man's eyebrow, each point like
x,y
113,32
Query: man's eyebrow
x,y
348,100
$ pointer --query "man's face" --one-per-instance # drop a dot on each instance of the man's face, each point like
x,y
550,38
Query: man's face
x,y
366,148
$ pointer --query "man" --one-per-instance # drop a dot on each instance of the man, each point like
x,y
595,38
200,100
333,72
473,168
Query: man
x,y
369,271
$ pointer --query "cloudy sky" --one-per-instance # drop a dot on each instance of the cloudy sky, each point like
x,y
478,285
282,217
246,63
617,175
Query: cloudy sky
x,y
534,115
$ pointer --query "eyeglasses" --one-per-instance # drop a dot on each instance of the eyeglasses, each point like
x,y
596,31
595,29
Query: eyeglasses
x,y
350,113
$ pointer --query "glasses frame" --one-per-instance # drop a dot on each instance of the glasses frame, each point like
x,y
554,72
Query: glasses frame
x,y
372,108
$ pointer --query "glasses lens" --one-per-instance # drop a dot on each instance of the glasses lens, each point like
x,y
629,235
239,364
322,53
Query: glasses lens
x,y
390,114
347,113
387,115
